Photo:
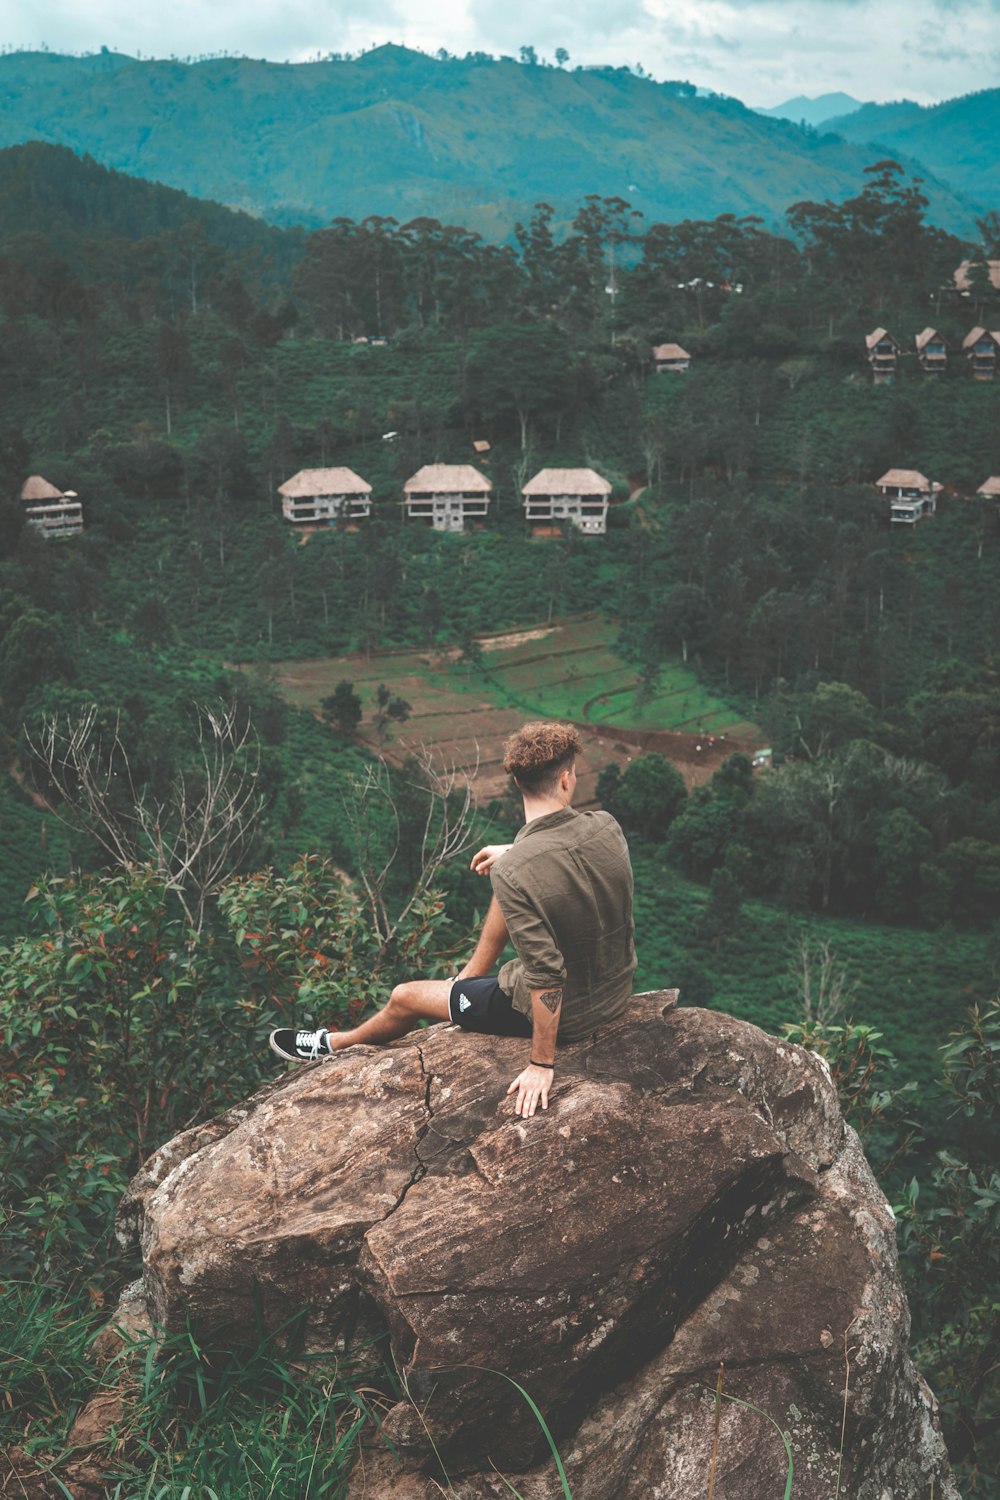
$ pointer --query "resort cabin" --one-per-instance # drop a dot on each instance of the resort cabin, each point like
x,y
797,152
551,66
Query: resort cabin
x,y
446,496
52,512
883,351
576,495
911,495
321,497
932,352
670,357
963,276
980,349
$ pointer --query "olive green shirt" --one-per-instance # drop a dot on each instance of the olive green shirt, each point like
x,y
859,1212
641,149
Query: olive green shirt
x,y
565,890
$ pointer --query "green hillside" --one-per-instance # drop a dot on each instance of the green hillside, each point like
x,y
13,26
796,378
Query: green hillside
x,y
50,192
472,140
956,139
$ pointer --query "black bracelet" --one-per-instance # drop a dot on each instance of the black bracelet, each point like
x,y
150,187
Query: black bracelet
x,y
542,1065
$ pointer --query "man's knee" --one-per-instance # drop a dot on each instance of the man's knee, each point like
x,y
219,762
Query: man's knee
x,y
404,999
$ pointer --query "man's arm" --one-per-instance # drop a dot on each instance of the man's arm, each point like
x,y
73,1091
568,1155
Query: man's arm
x,y
533,1084
492,942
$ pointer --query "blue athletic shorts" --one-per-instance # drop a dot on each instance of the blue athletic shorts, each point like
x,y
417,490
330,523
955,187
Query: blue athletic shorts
x,y
481,1005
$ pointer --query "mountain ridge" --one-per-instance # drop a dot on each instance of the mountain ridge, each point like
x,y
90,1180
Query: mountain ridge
x,y
957,136
815,110
396,132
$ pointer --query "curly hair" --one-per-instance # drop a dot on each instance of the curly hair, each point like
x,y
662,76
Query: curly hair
x,y
538,752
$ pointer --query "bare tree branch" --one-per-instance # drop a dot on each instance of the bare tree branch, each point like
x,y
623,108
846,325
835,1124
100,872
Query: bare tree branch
x,y
824,986
445,830
192,837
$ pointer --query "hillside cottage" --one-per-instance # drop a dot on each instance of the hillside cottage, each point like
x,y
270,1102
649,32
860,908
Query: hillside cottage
x,y
321,497
932,352
576,495
53,512
883,351
910,493
980,349
446,496
670,357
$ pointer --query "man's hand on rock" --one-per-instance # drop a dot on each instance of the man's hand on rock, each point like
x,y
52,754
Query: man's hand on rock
x,y
532,1088
483,859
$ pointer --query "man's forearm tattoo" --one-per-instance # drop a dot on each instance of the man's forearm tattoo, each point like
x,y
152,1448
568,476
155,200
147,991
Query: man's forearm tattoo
x,y
551,999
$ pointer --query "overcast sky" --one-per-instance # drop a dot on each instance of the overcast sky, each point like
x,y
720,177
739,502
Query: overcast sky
x,y
763,51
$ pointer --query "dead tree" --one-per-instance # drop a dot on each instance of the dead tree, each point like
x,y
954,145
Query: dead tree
x,y
823,985
443,827
193,837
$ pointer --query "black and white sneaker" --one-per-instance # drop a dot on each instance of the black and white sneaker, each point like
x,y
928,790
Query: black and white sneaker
x,y
300,1046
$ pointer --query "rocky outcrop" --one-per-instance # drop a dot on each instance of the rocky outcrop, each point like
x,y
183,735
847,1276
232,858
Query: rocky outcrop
x,y
691,1200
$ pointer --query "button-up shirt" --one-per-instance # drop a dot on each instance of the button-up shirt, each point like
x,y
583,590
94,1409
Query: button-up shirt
x,y
565,890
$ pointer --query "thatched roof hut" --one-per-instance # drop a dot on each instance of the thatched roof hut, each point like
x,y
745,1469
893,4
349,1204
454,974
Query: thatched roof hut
x,y
904,479
447,479
670,357
36,488
310,483
567,482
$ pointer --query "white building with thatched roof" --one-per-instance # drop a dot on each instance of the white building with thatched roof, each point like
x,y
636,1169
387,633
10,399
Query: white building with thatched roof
x,y
446,496
576,495
52,512
883,352
932,352
670,357
320,497
990,488
911,495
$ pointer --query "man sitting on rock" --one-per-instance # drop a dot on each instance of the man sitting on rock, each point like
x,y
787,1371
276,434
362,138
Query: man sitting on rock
x,y
562,895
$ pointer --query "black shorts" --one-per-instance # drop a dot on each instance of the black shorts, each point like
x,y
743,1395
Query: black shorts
x,y
481,1005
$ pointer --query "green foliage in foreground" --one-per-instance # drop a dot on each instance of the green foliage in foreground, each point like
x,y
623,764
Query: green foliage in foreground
x,y
950,1246
267,1422
124,1026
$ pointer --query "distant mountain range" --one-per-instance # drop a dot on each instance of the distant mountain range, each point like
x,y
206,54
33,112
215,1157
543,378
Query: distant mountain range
x,y
474,141
956,140
816,111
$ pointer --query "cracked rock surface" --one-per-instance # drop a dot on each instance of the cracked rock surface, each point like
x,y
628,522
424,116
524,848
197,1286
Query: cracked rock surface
x,y
691,1197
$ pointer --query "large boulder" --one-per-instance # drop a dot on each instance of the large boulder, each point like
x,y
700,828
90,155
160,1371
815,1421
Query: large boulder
x,y
691,1209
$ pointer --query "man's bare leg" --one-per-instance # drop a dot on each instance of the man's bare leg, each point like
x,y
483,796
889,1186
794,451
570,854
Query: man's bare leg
x,y
412,1002
425,999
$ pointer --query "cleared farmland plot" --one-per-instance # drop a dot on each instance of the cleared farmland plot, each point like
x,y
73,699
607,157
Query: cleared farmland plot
x,y
567,670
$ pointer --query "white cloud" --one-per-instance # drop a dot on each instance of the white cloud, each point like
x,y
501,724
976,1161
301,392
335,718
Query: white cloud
x,y
561,23
763,51
276,29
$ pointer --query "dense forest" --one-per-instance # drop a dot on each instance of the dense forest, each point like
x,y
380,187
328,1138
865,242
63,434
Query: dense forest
x,y
172,363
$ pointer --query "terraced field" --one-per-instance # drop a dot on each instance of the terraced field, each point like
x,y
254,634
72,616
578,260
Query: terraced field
x,y
566,670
